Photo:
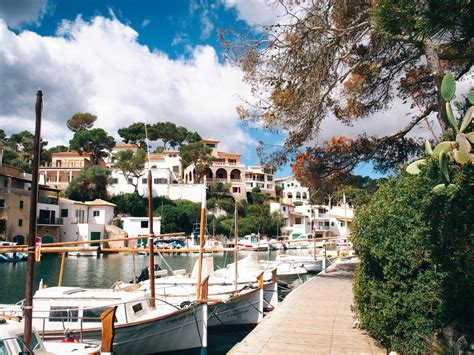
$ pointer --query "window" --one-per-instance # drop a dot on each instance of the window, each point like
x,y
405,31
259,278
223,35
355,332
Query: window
x,y
20,223
298,220
114,181
64,212
21,205
176,169
95,213
160,181
269,178
326,223
235,189
332,224
63,314
80,216
232,161
2,203
144,224
130,181
137,307
284,209
93,314
144,180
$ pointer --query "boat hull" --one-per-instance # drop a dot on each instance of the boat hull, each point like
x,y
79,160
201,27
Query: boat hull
x,y
185,329
244,309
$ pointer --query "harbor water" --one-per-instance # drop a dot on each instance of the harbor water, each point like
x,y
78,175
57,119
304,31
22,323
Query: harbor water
x,y
105,270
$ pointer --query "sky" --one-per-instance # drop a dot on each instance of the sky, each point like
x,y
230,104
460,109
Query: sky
x,y
130,61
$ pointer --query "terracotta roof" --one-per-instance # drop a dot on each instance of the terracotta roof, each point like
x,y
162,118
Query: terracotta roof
x,y
231,154
125,145
156,156
99,202
71,153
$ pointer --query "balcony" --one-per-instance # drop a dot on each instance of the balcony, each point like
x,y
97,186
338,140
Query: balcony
x,y
48,200
49,221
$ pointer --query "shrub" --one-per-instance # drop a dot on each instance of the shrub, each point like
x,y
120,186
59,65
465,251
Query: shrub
x,y
416,251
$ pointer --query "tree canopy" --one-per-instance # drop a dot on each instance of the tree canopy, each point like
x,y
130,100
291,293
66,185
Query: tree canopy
x,y
95,141
171,135
18,149
346,60
131,164
91,184
196,153
81,121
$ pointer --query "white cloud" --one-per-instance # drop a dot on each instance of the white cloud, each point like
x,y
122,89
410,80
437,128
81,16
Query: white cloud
x,y
19,12
98,66
145,22
256,12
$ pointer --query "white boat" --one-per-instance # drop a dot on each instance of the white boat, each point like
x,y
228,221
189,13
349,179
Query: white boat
x,y
228,304
306,261
138,327
11,256
85,251
298,241
11,342
253,242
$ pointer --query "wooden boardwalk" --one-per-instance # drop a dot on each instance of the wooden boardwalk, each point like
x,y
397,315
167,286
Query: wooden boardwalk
x,y
315,318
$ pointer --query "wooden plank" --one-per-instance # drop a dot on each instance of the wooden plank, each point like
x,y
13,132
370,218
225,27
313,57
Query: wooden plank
x,y
315,318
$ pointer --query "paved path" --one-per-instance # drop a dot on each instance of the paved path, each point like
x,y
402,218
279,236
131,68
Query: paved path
x,y
315,318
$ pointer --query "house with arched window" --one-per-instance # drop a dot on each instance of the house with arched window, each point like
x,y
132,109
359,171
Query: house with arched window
x,y
292,191
226,168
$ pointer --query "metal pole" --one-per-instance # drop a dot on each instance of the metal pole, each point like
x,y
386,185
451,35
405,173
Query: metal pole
x,y
30,267
151,240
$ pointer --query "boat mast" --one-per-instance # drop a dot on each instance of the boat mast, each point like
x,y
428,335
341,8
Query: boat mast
x,y
236,256
150,226
201,244
30,267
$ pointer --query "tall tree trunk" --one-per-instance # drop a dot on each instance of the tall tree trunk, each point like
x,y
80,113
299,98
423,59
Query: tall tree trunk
x,y
434,65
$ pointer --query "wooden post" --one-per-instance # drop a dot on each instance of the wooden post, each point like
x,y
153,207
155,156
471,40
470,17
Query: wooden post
x,y
108,330
236,253
314,246
30,267
61,269
201,245
151,240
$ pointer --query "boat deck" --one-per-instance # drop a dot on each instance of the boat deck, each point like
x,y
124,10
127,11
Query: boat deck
x,y
315,318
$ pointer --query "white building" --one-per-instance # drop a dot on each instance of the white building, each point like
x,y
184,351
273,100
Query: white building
x,y
261,177
296,220
292,190
84,221
320,220
138,226
166,178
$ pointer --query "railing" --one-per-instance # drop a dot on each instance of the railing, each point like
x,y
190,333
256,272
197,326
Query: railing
x,y
48,200
50,221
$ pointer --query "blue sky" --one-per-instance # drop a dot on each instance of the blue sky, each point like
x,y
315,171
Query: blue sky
x,y
128,61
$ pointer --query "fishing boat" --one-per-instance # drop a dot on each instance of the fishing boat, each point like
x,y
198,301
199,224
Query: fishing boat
x,y
11,342
253,242
11,256
139,328
298,241
84,251
308,262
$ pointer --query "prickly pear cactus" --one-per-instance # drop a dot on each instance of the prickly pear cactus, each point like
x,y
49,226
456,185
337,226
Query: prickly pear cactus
x,y
458,151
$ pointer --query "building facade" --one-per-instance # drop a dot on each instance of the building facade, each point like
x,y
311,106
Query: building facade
x,y
64,167
225,168
83,221
15,198
260,177
292,191
138,226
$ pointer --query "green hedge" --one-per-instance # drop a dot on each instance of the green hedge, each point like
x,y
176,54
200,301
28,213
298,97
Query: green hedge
x,y
416,250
